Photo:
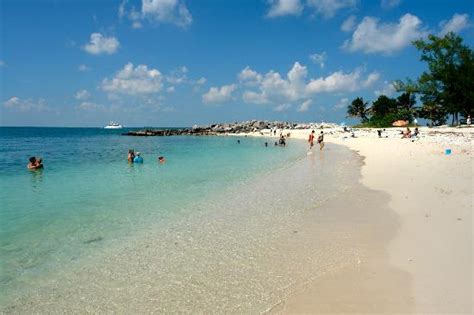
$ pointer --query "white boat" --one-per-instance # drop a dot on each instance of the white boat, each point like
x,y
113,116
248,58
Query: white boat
x,y
113,125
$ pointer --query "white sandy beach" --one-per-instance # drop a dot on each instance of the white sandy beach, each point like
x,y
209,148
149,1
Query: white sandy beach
x,y
432,193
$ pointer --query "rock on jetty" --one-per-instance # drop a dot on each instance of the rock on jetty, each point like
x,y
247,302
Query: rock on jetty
x,y
216,129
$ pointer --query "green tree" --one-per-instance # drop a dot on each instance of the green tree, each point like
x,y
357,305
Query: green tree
x,y
358,108
383,106
448,84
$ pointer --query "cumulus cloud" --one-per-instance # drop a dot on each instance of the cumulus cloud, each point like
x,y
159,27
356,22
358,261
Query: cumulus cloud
x,y
99,44
329,8
387,89
373,36
16,103
178,76
318,59
389,4
304,107
82,95
167,11
284,7
349,24
342,82
457,23
130,80
249,77
274,88
219,95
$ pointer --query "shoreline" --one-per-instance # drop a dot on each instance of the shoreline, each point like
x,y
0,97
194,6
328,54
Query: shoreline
x,y
431,193
250,251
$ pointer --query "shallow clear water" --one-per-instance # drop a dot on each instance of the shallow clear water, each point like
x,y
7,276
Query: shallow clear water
x,y
88,194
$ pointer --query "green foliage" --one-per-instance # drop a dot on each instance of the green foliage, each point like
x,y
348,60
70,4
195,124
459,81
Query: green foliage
x,y
358,108
448,85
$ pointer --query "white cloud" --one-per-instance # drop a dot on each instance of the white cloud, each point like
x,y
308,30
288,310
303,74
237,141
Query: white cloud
x,y
82,95
371,36
219,95
304,107
139,80
83,68
284,7
319,59
387,89
457,23
16,103
170,89
275,89
341,82
349,24
167,11
89,106
178,76
389,4
99,44
328,8
2,63
282,107
201,81
343,102
249,77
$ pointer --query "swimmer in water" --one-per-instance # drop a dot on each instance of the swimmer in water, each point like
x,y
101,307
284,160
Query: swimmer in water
x,y
161,159
138,158
35,163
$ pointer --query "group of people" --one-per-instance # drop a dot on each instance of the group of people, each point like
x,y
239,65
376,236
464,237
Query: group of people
x,y
320,140
135,157
408,134
35,163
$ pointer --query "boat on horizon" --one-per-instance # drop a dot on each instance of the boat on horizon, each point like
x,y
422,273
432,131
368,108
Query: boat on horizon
x,y
113,125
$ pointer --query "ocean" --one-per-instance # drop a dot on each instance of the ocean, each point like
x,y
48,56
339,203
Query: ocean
x,y
210,230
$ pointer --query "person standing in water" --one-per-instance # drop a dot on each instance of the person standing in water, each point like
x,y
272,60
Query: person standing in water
x,y
131,155
321,140
311,140
138,158
35,163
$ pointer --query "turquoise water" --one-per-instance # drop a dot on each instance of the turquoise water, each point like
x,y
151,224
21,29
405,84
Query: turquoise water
x,y
88,194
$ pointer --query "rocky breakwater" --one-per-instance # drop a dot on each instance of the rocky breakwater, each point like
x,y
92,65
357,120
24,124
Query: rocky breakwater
x,y
216,129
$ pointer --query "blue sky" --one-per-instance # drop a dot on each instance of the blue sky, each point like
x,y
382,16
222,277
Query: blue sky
x,y
185,62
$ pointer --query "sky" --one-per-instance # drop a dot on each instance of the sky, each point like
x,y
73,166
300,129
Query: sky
x,y
185,62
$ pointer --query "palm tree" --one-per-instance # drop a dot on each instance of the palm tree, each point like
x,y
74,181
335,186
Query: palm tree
x,y
358,108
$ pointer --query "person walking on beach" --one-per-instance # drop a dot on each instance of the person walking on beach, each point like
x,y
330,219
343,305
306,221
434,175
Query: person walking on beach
x,y
311,140
321,140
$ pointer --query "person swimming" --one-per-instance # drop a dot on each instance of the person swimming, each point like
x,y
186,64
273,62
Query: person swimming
x,y
35,163
161,159
138,158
